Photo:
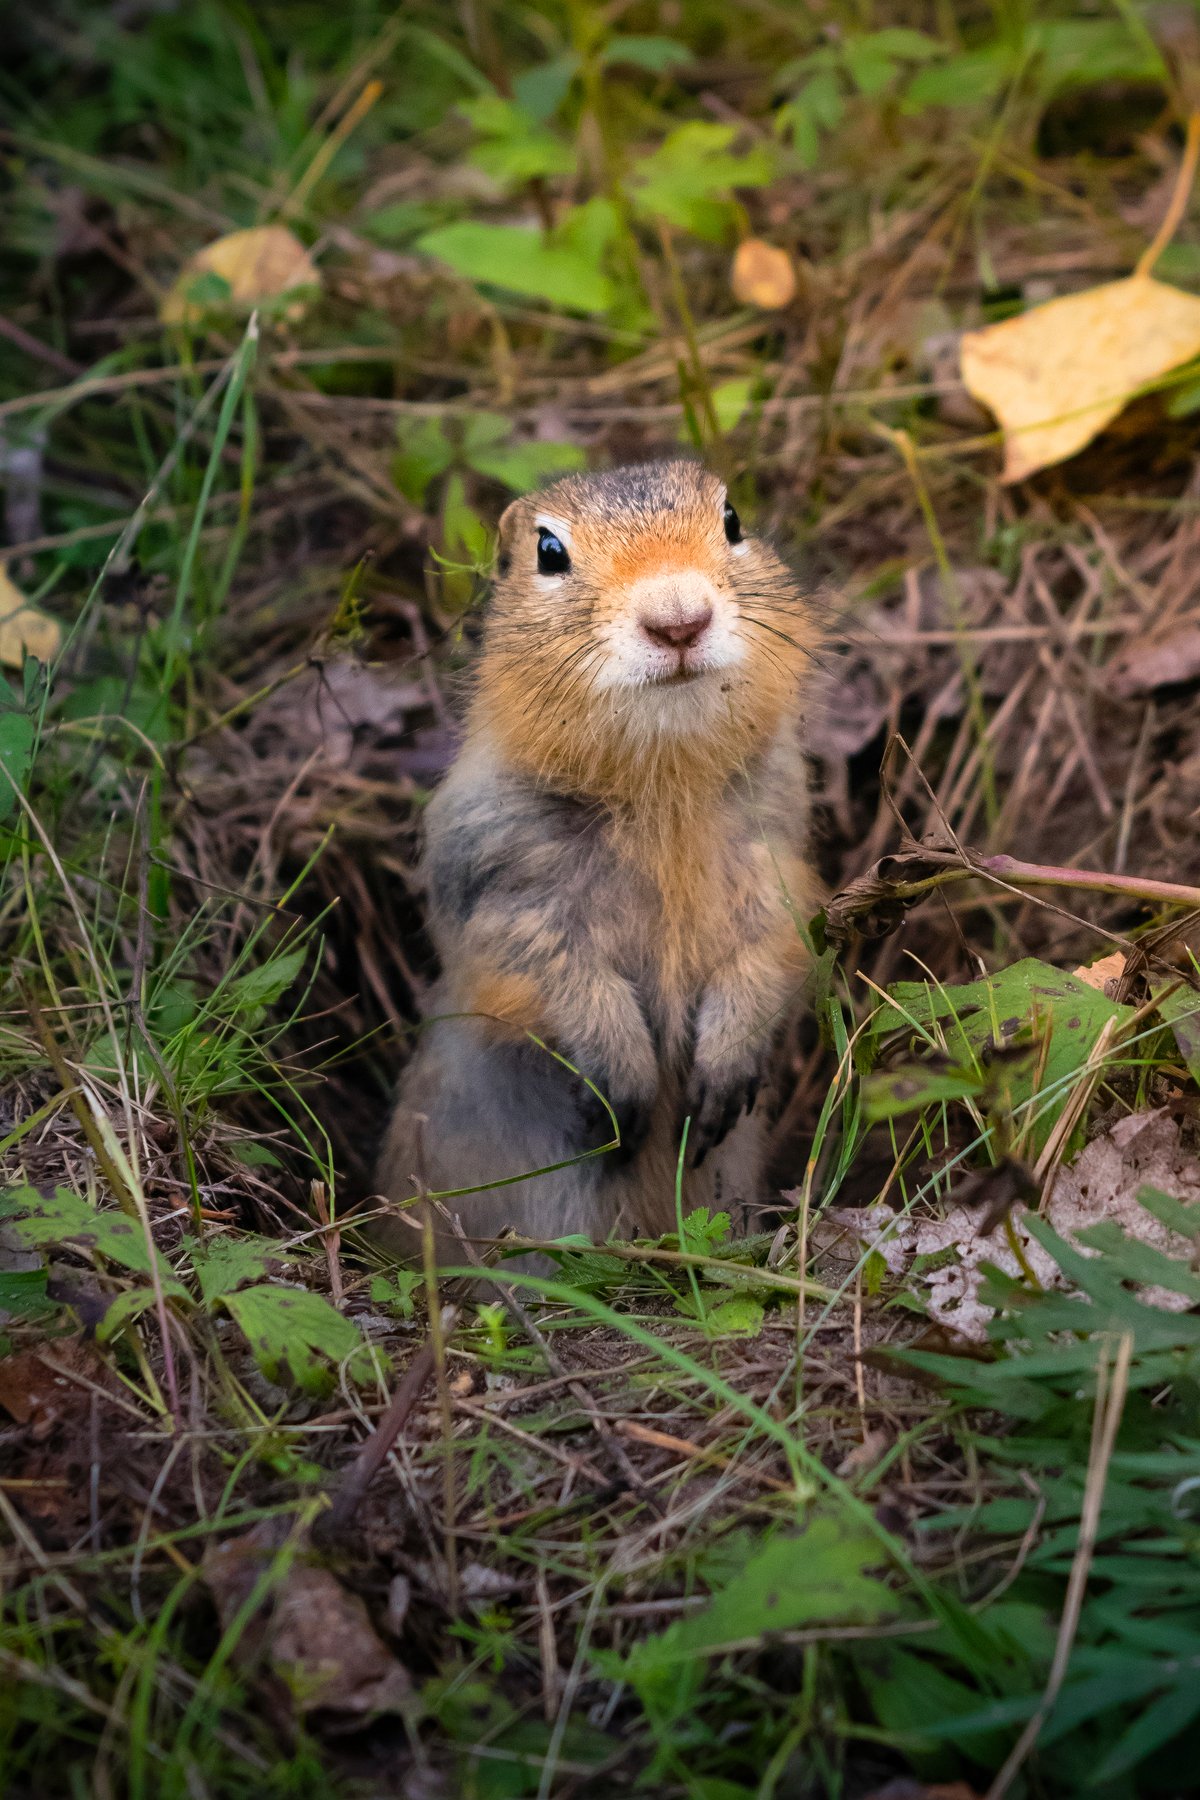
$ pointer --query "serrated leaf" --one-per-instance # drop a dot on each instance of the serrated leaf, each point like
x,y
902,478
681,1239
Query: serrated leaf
x,y
63,1218
520,259
227,1263
298,1339
690,179
820,1575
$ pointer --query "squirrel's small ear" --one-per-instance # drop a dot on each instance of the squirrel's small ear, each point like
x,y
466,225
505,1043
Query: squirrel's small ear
x,y
504,537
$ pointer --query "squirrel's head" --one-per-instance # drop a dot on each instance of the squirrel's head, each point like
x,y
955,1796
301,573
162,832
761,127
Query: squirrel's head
x,y
632,612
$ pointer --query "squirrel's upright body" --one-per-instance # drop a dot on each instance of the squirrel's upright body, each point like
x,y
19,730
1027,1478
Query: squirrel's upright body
x,y
617,870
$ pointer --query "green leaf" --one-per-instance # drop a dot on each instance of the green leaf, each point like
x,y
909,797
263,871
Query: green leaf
x,y
515,147
817,106
227,1263
520,259
425,452
297,1338
521,466
1173,1213
1025,1003
23,1292
819,1576
542,89
654,54
889,1093
464,533
63,1218
690,179
16,749
397,1290
122,1311
266,984
1181,1010
732,398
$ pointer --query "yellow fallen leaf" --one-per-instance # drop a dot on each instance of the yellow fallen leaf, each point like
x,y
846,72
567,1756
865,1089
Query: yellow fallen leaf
x,y
259,264
1098,974
763,275
24,631
1058,374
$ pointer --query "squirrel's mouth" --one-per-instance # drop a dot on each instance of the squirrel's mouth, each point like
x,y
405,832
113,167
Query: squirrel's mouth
x,y
680,676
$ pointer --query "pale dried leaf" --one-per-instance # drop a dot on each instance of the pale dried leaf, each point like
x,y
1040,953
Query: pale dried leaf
x,y
259,264
1102,974
1103,1183
763,275
1056,375
24,631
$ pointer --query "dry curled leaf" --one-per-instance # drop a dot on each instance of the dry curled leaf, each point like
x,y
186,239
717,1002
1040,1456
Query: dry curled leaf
x,y
1056,375
763,275
1151,663
314,1635
24,631
257,265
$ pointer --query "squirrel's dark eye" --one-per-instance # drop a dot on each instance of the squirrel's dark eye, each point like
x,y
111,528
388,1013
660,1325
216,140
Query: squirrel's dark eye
x,y
552,555
733,525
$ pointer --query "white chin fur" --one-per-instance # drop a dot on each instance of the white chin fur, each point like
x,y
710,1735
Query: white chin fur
x,y
631,664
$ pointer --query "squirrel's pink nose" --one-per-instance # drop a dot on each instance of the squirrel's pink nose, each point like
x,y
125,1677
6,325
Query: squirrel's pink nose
x,y
678,633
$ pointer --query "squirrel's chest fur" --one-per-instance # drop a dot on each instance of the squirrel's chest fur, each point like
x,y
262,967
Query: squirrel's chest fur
x,y
666,895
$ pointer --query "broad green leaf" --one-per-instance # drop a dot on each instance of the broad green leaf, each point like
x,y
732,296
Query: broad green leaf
x,y
298,1338
23,1291
817,106
542,89
654,54
1024,1003
1181,1010
526,465
227,1263
424,453
732,398
397,1290
520,259
122,1311
63,1218
889,1093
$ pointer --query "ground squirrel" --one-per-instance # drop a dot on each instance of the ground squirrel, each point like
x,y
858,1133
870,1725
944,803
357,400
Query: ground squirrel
x,y
616,864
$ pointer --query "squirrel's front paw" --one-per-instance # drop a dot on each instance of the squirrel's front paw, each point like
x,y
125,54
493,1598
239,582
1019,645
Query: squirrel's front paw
x,y
714,1104
632,1114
